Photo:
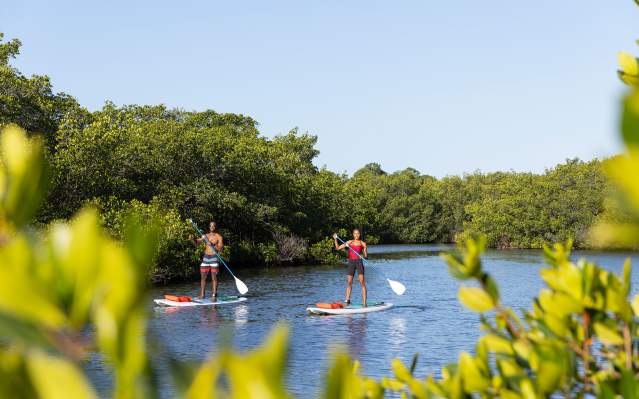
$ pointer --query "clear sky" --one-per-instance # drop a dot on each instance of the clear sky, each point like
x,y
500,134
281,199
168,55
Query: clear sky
x,y
445,87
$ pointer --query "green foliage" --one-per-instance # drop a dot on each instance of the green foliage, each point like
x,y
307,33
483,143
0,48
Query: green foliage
x,y
513,210
323,252
175,256
579,339
200,165
528,211
73,278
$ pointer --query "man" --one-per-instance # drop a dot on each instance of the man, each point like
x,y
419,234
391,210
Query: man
x,y
210,262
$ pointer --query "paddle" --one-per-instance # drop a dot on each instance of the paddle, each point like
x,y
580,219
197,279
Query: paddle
x,y
396,286
241,287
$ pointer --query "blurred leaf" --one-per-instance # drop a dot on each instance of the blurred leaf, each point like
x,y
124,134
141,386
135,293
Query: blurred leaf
x,y
17,283
491,288
550,368
509,368
205,381
28,334
628,63
497,344
608,334
342,381
474,376
24,175
401,372
56,378
623,170
627,275
628,384
635,304
617,235
475,299
630,119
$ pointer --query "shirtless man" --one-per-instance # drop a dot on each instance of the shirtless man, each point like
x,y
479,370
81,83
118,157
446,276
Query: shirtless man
x,y
210,263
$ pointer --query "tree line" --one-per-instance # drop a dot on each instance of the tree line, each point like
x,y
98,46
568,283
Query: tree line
x,y
271,202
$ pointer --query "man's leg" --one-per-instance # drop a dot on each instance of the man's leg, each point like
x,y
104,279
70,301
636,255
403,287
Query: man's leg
x,y
214,282
202,283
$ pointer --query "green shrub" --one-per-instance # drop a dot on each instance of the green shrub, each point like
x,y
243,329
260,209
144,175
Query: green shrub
x,y
175,257
324,252
267,252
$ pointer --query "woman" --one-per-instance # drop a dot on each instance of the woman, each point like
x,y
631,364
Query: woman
x,y
356,251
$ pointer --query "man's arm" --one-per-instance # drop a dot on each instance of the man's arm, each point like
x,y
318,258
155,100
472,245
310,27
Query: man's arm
x,y
196,241
219,243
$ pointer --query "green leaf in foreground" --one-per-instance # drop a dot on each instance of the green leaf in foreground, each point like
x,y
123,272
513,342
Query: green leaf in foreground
x,y
475,299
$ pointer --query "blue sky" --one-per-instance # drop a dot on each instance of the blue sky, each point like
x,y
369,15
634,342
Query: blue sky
x,y
445,87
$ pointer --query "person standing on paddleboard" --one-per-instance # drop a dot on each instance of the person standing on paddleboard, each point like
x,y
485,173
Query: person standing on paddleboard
x,y
356,248
210,263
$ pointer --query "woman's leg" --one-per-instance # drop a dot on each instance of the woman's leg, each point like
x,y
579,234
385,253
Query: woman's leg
x,y
362,281
349,287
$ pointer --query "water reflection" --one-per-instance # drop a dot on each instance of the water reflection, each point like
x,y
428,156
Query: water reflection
x,y
209,316
397,333
241,313
356,328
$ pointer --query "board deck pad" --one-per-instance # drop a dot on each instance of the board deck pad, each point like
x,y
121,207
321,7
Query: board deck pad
x,y
351,309
223,300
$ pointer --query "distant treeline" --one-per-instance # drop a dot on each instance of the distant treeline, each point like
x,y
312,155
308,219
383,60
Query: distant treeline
x,y
271,202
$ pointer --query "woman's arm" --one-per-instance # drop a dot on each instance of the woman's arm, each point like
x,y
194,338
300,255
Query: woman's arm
x,y
337,246
364,250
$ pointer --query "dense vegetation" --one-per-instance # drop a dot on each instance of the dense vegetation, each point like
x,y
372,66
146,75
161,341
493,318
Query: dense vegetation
x,y
272,203
579,339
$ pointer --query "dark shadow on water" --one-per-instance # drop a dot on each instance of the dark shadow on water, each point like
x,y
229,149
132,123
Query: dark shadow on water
x,y
423,308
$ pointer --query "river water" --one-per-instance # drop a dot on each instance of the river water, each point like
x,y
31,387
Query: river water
x,y
427,319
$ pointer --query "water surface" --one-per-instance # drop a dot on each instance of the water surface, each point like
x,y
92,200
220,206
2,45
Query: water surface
x,y
427,319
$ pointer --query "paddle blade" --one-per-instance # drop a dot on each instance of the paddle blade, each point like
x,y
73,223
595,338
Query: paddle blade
x,y
396,286
241,287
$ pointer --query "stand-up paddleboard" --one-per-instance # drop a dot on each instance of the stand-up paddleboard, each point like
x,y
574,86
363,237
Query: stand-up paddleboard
x,y
223,300
350,309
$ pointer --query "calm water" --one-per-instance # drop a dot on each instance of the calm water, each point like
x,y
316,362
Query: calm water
x,y
427,319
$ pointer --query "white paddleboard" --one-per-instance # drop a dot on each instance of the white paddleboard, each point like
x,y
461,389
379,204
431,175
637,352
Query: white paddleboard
x,y
201,302
351,309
